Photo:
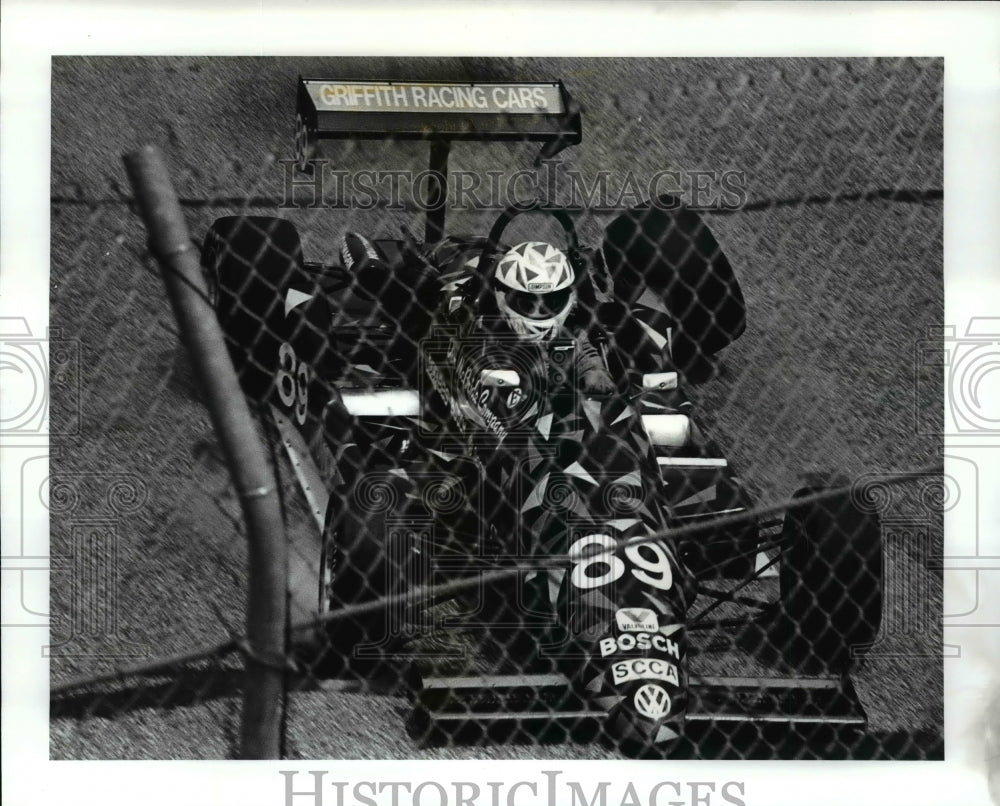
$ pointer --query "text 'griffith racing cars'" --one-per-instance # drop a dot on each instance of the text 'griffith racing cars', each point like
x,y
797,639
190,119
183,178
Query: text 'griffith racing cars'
x,y
569,539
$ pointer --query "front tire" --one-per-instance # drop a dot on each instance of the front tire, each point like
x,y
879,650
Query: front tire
x,y
363,559
831,580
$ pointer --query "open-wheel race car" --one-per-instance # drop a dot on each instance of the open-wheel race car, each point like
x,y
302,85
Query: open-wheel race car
x,y
568,544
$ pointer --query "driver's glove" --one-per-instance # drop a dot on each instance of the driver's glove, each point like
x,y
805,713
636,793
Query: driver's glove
x,y
594,376
597,382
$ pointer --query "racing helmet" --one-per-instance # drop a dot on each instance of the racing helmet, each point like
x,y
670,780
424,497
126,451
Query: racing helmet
x,y
533,285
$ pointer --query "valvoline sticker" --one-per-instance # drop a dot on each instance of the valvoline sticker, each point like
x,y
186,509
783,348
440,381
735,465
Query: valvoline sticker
x,y
637,619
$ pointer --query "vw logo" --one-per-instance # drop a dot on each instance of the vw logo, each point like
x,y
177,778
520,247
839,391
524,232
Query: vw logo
x,y
652,701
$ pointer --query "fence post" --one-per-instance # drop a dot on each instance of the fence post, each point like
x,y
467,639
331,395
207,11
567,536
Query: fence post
x,y
260,733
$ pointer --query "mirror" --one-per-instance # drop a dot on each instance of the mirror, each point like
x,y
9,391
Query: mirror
x,y
659,380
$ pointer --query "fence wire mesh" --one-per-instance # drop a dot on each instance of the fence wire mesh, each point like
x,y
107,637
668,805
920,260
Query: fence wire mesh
x,y
697,517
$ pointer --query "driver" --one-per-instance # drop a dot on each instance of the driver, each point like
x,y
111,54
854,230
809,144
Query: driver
x,y
534,290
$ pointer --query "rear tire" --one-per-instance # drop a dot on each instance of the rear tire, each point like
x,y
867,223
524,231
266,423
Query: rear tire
x,y
831,580
249,262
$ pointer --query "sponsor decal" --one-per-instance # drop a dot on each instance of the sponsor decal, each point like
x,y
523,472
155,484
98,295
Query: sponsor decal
x,y
540,286
642,641
467,391
637,619
652,701
644,669
422,97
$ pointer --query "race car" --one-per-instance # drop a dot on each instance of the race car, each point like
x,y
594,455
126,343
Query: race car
x,y
574,533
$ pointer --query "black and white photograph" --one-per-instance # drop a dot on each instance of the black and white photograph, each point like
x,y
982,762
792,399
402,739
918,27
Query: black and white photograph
x,y
525,409
584,393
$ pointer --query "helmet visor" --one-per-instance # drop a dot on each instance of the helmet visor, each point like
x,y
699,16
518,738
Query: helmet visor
x,y
537,306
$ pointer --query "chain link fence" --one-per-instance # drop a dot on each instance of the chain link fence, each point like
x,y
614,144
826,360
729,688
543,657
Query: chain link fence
x,y
697,517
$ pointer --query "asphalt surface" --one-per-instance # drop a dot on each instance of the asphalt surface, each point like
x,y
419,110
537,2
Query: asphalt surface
x,y
842,275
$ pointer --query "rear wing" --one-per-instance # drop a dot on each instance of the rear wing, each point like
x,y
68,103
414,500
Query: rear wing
x,y
436,111
420,110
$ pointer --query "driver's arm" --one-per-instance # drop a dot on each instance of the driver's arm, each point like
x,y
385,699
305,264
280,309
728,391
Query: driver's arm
x,y
591,370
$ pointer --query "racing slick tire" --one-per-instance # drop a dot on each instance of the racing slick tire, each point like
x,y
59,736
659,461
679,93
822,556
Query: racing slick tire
x,y
248,263
672,276
831,579
360,563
